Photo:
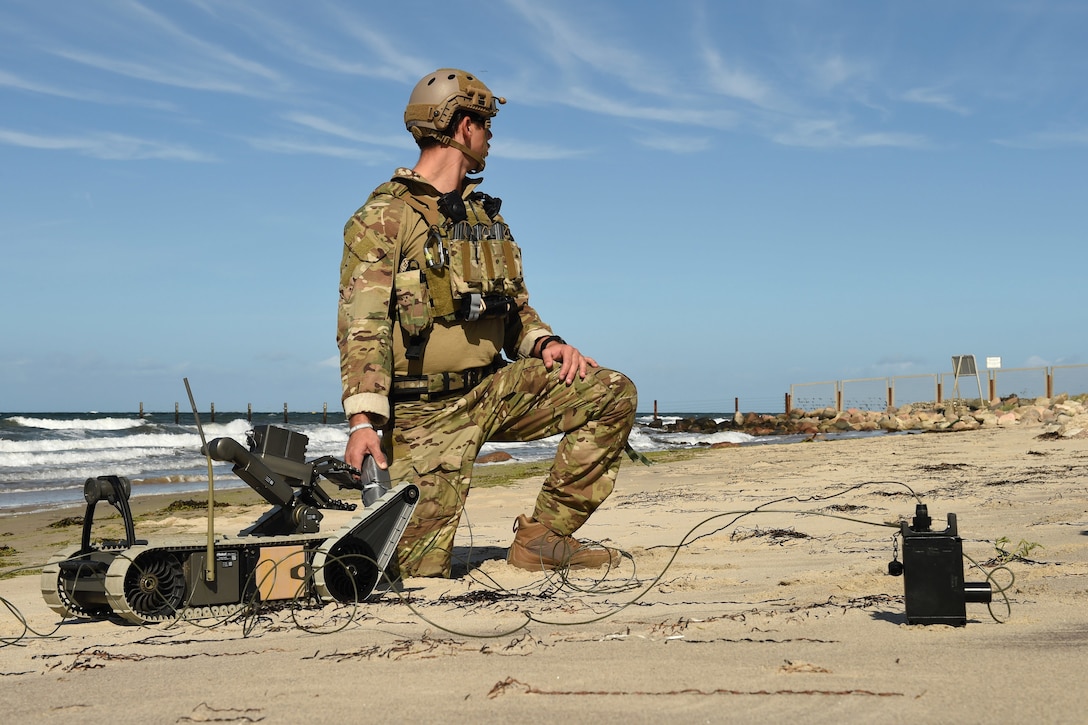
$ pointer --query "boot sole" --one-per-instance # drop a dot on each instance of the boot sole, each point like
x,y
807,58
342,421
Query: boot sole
x,y
537,564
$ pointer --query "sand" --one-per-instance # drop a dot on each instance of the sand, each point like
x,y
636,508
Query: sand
x,y
774,617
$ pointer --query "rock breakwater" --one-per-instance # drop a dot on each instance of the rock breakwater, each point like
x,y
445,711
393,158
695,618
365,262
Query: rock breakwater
x,y
1063,416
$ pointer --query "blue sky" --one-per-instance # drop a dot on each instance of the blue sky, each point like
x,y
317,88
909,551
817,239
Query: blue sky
x,y
718,198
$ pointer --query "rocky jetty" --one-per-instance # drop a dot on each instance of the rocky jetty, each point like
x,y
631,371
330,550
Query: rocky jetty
x,y
1062,416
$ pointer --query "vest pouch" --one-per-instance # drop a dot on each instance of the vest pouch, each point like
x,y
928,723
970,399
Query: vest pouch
x,y
468,268
413,302
487,266
513,282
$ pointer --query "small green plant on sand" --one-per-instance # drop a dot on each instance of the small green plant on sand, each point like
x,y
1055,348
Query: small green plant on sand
x,y
1006,554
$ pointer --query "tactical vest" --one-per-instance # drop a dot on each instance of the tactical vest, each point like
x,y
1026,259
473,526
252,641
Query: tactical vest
x,y
470,267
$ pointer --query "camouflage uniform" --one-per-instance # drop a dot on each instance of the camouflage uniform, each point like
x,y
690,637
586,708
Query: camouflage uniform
x,y
434,442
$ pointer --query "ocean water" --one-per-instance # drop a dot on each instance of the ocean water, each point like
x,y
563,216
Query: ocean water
x,y
45,458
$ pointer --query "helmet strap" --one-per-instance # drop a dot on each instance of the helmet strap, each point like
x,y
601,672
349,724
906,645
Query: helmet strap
x,y
448,141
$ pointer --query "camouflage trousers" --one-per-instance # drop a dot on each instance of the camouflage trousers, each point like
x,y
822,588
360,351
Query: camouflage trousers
x,y
434,444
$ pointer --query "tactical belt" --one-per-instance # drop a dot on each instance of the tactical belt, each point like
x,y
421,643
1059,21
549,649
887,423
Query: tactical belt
x,y
437,385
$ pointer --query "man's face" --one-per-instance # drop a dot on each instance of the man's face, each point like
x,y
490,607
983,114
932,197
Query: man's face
x,y
481,137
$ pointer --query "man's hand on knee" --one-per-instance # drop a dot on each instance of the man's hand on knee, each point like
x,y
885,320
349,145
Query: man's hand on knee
x,y
572,361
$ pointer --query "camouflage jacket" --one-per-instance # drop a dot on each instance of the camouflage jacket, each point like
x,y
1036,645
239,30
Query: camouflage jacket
x,y
384,298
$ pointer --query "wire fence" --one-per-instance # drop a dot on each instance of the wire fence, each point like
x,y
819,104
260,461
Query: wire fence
x,y
889,392
861,393
178,412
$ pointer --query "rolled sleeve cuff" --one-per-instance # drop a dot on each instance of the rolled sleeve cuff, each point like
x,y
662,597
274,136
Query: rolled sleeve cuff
x,y
375,405
525,349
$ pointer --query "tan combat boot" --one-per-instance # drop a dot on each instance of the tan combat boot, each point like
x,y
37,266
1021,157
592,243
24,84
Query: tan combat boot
x,y
538,548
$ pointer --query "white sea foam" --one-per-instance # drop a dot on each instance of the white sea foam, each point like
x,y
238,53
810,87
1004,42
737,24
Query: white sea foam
x,y
46,458
79,423
88,445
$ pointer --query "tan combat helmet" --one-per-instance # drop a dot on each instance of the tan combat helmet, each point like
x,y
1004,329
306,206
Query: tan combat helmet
x,y
441,94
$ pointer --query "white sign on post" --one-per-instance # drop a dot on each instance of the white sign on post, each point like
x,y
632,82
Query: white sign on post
x,y
993,363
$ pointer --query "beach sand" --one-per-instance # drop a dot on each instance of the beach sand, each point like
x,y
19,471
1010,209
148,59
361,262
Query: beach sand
x,y
776,616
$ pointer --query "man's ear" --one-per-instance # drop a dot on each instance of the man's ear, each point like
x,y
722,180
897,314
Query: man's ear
x,y
463,129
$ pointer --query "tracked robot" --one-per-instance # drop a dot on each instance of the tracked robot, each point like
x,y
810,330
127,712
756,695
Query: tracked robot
x,y
283,556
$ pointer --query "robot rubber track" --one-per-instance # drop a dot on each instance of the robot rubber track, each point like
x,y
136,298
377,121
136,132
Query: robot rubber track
x,y
281,557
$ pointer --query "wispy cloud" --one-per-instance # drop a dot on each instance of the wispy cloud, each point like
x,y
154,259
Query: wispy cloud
x,y
11,80
825,133
935,98
728,77
596,102
835,71
1038,361
210,51
676,144
579,50
722,95
150,47
737,83
376,52
170,73
800,99
898,365
324,125
1073,138
395,61
524,151
294,146
109,146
